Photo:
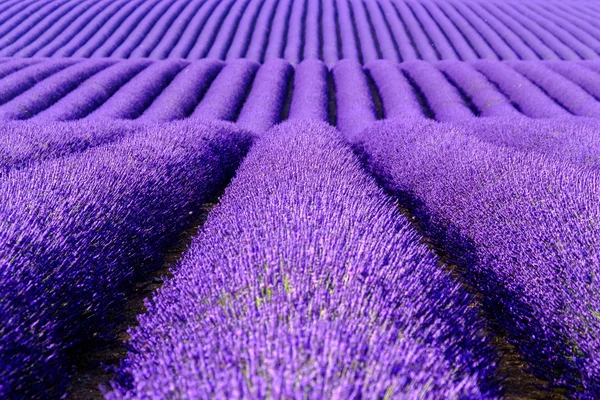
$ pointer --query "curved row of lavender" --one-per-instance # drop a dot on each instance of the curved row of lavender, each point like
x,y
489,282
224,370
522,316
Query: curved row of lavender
x,y
576,140
522,225
77,230
328,30
306,281
25,143
245,91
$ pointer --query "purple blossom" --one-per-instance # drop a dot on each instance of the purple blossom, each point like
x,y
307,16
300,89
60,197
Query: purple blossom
x,y
264,106
131,99
51,89
566,93
92,93
77,230
355,108
328,30
227,93
486,97
179,99
576,140
310,98
531,101
442,98
26,143
522,225
398,98
306,281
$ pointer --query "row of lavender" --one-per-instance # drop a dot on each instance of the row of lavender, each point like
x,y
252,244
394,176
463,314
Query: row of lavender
x,y
258,97
251,313
515,206
328,30
86,208
306,281
79,228
519,217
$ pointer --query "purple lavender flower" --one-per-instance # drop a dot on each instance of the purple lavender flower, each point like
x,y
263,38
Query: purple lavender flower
x,y
522,225
307,282
77,230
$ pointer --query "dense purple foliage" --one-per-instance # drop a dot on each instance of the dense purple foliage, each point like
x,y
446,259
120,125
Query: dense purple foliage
x,y
522,225
576,140
227,93
329,30
135,96
50,90
484,96
180,97
23,79
355,108
307,282
566,93
442,98
530,99
586,78
78,229
265,103
398,98
348,94
310,98
24,143
92,93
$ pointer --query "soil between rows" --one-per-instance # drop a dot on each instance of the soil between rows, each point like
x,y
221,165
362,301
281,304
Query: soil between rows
x,y
93,365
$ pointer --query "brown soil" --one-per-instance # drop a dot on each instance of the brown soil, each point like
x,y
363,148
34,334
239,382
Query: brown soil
x,y
518,383
92,364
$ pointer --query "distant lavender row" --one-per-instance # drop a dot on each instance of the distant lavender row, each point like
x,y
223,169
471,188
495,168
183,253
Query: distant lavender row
x,y
307,282
328,30
523,226
576,140
259,96
77,230
23,143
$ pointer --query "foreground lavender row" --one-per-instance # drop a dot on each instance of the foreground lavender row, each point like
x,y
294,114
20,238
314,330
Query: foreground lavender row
x,y
259,96
77,230
329,30
524,226
307,282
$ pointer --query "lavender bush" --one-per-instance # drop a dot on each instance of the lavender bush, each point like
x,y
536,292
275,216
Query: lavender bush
x,y
523,226
92,93
51,89
132,99
227,93
398,98
307,282
569,95
355,108
328,30
576,140
529,98
25,143
442,98
167,90
265,103
77,230
179,99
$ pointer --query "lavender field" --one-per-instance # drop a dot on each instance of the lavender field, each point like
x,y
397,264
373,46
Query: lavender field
x,y
299,199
